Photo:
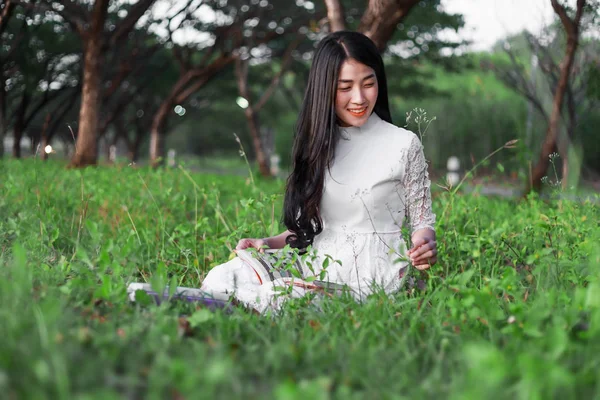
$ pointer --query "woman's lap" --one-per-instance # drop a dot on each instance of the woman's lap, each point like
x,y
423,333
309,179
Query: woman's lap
x,y
240,280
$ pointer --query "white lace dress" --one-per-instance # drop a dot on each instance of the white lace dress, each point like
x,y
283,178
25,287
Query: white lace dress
x,y
378,182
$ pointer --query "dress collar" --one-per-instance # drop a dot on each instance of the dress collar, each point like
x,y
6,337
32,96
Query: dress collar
x,y
352,130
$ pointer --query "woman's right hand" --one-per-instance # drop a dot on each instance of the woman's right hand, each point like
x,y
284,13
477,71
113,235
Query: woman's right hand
x,y
258,244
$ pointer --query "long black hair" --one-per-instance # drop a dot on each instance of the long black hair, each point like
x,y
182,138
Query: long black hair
x,y
317,132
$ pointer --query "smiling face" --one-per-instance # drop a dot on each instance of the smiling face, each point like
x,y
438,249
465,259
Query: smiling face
x,y
356,93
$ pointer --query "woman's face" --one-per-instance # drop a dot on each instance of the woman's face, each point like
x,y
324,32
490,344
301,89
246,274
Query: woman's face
x,y
356,93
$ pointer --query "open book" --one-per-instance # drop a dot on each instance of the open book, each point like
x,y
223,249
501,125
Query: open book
x,y
270,266
181,293
276,264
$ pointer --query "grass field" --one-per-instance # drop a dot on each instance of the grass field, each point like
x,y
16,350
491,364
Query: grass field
x,y
512,310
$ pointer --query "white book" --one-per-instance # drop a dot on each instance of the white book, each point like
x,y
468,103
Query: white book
x,y
275,264
181,293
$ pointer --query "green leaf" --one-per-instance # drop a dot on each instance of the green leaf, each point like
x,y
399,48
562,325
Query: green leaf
x,y
173,285
159,279
295,273
200,317
465,277
592,299
143,298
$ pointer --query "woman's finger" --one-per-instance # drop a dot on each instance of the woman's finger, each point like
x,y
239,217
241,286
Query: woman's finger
x,y
422,267
425,256
418,253
418,243
244,244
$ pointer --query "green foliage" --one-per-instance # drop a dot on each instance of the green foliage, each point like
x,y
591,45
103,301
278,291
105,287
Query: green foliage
x,y
529,66
474,117
512,310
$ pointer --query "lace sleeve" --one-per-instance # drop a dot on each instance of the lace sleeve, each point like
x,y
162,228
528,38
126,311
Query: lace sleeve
x,y
417,188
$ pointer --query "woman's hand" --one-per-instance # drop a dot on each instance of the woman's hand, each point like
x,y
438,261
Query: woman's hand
x,y
258,244
424,251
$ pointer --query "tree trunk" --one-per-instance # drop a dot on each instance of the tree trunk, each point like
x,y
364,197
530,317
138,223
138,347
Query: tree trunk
x,y
264,164
133,146
381,18
44,142
189,82
570,137
184,88
17,135
159,121
19,125
2,111
550,144
157,135
133,152
86,147
378,22
335,15
44,136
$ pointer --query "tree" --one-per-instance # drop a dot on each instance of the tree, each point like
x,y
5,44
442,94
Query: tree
x,y
132,107
60,111
135,71
379,21
233,28
252,108
533,72
550,145
40,73
89,22
6,11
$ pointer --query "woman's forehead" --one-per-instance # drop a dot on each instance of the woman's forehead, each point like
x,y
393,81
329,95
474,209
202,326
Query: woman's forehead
x,y
352,69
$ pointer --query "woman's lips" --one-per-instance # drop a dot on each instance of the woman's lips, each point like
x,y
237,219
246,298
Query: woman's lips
x,y
359,113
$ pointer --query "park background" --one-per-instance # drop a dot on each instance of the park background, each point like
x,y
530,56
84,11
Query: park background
x,y
512,310
187,76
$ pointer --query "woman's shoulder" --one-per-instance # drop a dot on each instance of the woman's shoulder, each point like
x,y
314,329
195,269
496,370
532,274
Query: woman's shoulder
x,y
400,136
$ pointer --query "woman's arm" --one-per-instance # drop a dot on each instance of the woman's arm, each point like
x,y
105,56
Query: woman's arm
x,y
417,185
277,242
273,242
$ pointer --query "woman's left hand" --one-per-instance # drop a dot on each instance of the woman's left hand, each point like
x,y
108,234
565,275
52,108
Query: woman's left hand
x,y
424,251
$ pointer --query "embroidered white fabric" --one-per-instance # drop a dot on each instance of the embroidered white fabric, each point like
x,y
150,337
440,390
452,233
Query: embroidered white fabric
x,y
378,182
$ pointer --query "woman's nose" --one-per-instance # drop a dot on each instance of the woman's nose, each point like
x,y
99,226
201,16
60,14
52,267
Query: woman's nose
x,y
358,97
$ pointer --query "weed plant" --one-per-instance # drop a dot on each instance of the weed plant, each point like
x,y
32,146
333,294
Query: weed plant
x,y
512,309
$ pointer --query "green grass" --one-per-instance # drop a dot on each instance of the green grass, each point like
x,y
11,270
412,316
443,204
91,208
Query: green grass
x,y
512,310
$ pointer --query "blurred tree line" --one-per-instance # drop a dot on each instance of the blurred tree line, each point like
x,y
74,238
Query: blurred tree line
x,y
187,74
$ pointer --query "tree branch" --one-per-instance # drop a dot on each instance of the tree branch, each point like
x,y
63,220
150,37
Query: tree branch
x,y
571,25
127,24
381,17
285,61
5,14
335,15
207,74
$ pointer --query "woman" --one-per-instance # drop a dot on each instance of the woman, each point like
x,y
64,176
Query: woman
x,y
355,178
